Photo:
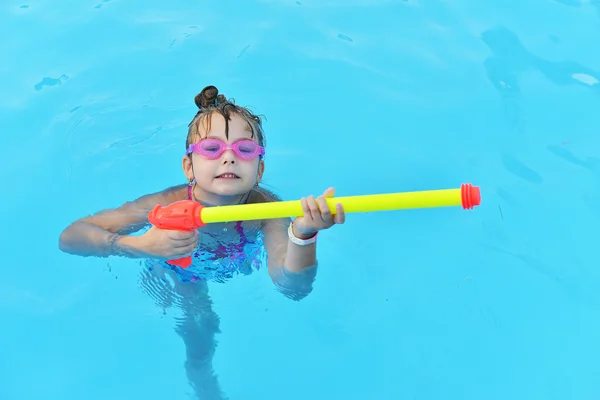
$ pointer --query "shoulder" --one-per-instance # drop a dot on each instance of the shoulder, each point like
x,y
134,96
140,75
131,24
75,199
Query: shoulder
x,y
173,193
262,195
163,197
133,215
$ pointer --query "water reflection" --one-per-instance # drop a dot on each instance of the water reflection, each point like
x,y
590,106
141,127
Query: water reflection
x,y
196,323
225,251
510,58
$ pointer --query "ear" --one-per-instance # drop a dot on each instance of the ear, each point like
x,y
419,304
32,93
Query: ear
x,y
188,168
260,172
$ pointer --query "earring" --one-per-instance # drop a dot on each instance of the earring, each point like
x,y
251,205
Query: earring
x,y
191,182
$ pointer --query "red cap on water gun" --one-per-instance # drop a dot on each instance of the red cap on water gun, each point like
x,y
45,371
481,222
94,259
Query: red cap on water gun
x,y
470,196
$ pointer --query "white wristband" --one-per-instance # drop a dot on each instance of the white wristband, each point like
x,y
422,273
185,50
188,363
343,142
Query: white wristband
x,y
297,240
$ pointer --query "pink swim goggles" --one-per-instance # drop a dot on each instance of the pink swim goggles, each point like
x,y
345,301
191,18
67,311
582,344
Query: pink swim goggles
x,y
212,149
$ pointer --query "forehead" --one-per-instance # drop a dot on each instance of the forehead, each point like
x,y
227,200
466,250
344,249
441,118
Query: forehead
x,y
237,126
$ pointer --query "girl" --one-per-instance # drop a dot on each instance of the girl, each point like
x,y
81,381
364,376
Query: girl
x,y
223,165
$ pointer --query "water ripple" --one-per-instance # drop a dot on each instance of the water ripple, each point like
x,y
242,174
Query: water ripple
x,y
514,58
510,59
244,50
49,82
344,37
591,163
521,170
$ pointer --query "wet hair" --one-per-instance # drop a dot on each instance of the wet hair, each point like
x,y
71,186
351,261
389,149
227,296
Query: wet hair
x,y
209,101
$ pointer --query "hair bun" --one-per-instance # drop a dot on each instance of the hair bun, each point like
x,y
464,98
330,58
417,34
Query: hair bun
x,y
209,97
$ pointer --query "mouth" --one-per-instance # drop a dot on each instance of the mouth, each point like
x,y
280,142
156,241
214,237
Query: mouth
x,y
228,175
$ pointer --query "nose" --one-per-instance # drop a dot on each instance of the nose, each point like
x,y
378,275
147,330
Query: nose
x,y
228,157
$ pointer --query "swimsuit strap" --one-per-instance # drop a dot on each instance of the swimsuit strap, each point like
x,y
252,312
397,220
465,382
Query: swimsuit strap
x,y
246,198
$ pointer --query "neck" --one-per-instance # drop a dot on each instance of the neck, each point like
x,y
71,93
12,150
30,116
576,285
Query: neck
x,y
211,200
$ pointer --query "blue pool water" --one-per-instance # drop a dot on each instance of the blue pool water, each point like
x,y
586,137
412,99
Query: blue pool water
x,y
369,96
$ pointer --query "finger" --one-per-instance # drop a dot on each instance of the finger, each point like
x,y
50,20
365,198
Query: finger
x,y
305,209
188,251
190,241
183,235
330,192
306,213
182,247
183,251
325,211
340,215
314,208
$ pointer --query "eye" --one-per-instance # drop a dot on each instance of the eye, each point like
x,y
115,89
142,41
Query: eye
x,y
211,147
247,148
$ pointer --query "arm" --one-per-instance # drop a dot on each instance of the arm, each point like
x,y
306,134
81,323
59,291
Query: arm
x,y
281,250
105,233
285,253
293,267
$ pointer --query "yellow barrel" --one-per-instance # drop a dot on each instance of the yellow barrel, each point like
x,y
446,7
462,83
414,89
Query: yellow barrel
x,y
351,204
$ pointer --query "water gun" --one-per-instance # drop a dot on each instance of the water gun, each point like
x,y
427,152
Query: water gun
x,y
188,214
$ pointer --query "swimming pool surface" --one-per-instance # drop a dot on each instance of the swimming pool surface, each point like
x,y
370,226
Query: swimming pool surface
x,y
369,96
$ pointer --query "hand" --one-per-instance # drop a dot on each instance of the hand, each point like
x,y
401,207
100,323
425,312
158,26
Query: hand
x,y
163,244
317,216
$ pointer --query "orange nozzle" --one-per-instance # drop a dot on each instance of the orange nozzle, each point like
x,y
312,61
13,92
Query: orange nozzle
x,y
183,215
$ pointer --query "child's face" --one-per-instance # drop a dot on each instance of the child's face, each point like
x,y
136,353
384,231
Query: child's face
x,y
225,179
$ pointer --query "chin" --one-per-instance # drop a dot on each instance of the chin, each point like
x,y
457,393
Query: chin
x,y
231,191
